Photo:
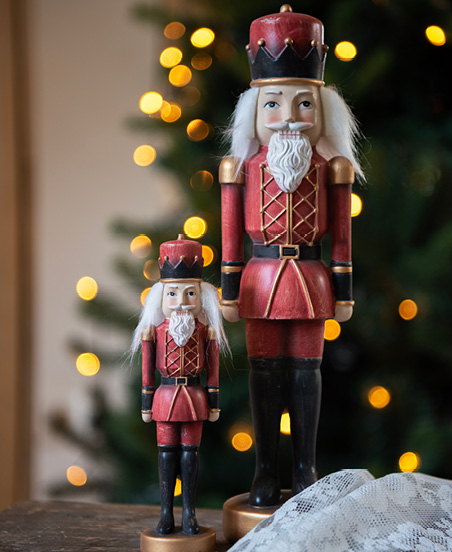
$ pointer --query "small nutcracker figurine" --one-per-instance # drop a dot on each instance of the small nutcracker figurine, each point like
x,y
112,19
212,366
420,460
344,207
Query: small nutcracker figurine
x,y
181,334
287,183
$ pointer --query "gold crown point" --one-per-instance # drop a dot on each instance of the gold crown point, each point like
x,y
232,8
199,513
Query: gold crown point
x,y
285,8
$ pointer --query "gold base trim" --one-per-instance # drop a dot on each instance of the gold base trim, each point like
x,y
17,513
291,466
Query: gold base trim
x,y
178,541
239,517
285,80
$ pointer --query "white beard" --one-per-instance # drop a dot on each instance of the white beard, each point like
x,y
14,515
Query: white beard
x,y
181,326
289,158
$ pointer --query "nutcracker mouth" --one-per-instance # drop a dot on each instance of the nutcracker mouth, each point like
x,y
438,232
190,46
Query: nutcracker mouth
x,y
290,134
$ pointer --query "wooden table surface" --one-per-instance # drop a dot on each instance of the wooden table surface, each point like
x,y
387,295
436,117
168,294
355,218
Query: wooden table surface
x,y
78,527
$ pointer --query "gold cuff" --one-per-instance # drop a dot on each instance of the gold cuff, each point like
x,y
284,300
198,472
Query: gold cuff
x,y
345,303
342,269
229,302
214,409
229,269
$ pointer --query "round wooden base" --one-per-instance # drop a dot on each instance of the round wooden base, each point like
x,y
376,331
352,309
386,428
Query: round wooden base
x,y
178,541
239,517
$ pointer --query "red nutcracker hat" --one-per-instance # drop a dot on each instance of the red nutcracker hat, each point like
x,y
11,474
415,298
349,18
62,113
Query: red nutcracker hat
x,y
181,259
286,46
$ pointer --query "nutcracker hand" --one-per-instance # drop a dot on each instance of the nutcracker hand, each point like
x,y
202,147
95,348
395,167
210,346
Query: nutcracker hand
x,y
343,313
146,416
213,416
230,313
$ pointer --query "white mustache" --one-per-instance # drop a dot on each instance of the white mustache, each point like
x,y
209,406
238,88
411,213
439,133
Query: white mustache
x,y
285,125
181,307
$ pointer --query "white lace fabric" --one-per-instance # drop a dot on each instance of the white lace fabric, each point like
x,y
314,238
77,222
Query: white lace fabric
x,y
351,511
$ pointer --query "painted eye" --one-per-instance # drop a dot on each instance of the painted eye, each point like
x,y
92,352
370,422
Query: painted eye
x,y
271,105
171,294
191,293
305,105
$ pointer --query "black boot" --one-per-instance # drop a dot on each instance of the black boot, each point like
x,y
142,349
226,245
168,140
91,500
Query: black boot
x,y
168,469
267,384
189,463
304,396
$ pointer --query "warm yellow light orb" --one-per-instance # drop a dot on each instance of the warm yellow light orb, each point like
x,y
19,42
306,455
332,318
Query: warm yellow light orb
x,y
195,227
345,51
170,57
189,96
242,441
285,424
150,102
435,35
409,462
170,112
86,288
207,254
332,329
408,309
76,476
174,30
140,246
179,75
143,295
379,397
197,130
151,270
201,181
357,205
87,364
201,61
144,155
202,37
178,487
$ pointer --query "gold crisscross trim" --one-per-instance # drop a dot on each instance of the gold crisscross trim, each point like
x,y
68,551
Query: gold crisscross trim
x,y
188,367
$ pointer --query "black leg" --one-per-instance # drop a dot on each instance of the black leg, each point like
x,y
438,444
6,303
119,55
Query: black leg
x,y
168,469
189,475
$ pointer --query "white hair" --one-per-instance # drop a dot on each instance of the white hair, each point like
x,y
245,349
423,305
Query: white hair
x,y
339,135
152,314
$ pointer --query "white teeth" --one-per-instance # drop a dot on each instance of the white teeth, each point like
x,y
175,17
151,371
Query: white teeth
x,y
292,134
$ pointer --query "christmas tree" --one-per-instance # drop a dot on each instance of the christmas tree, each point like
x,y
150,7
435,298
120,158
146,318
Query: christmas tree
x,y
386,377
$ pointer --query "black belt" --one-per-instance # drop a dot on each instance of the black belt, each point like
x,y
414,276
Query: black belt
x,y
302,251
181,381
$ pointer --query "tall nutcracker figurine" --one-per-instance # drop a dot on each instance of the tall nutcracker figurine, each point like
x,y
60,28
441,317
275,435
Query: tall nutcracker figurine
x,y
181,334
287,183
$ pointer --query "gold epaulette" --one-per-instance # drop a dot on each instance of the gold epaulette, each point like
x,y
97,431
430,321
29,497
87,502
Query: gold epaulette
x,y
340,171
148,334
228,173
211,334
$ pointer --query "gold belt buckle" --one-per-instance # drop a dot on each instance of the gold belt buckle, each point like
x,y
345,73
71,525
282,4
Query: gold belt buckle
x,y
182,380
289,251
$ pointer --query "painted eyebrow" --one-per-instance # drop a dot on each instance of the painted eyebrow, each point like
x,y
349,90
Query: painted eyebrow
x,y
276,92
305,92
177,285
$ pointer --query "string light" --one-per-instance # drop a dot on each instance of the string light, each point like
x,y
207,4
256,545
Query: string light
x,y
379,397
143,295
201,181
140,246
242,441
332,329
170,112
201,61
357,205
179,75
208,255
170,57
202,37
144,155
151,270
86,288
408,309
150,102
345,51
409,462
435,35
195,227
197,130
174,30
76,476
87,364
285,424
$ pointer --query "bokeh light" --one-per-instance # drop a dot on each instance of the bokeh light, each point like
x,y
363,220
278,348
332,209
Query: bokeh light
x,y
86,288
242,441
285,424
332,329
87,364
174,30
201,181
170,57
179,75
195,227
76,476
197,130
379,397
357,205
409,462
202,37
189,96
345,51
144,155
178,487
208,255
150,102
435,35
143,295
170,112
151,270
140,246
408,309
201,61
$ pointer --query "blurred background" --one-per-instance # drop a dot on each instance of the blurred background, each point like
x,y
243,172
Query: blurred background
x,y
112,127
